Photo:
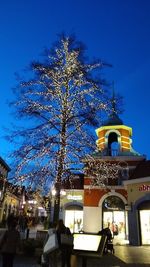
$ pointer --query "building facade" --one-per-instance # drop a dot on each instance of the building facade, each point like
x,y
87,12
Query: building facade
x,y
115,188
71,202
4,170
138,191
105,202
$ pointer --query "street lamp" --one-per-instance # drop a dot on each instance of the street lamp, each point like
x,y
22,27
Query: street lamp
x,y
62,192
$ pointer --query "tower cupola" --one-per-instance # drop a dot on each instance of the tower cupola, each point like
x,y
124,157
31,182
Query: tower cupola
x,y
113,136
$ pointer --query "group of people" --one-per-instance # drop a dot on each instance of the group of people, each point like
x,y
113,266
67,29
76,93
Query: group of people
x,y
11,239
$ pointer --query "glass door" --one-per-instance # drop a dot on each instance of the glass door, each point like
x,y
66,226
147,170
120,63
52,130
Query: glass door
x,y
145,226
117,223
74,220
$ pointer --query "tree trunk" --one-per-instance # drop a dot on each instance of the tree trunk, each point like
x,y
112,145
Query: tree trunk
x,y
56,206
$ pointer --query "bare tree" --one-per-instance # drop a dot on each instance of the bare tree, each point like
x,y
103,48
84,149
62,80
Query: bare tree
x,y
58,101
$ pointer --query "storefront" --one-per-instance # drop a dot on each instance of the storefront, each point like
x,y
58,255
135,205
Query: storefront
x,y
106,207
74,218
72,210
115,216
139,211
144,220
11,205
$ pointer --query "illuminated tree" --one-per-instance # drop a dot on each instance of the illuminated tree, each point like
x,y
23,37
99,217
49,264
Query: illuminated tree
x,y
57,102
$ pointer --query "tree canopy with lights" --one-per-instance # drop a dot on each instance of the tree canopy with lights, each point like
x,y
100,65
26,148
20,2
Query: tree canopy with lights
x,y
60,98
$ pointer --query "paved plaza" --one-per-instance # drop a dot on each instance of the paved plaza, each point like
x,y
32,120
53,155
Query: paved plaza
x,y
125,256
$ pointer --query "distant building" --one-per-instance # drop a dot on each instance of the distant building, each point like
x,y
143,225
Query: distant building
x,y
4,170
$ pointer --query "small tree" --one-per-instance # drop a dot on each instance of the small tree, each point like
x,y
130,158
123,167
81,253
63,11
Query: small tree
x,y
59,102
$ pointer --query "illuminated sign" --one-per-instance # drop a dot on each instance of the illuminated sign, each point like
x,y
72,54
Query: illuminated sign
x,y
144,187
71,197
87,242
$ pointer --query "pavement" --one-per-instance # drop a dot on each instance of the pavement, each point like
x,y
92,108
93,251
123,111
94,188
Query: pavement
x,y
125,256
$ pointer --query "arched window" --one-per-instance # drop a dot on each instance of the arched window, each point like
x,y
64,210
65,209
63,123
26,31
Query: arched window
x,y
113,145
113,217
113,203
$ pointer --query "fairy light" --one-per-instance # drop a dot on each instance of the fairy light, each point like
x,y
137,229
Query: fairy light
x,y
60,101
100,171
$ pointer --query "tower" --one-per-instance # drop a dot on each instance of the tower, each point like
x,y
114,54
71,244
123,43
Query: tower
x,y
114,138
106,204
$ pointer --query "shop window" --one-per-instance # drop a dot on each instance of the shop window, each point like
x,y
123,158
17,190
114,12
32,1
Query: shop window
x,y
113,203
114,216
145,226
74,218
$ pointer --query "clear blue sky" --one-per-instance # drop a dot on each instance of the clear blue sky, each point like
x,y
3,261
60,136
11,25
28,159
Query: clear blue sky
x,y
117,31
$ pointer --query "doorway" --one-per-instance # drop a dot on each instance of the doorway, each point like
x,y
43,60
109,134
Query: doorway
x,y
145,226
115,216
74,218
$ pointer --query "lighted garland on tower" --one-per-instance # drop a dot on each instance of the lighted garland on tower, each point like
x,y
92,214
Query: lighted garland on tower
x,y
100,171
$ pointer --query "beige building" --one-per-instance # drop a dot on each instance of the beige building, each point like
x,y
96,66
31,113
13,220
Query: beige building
x,y
138,192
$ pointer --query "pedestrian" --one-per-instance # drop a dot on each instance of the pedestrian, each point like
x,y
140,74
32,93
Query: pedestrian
x,y
9,243
66,249
50,258
108,245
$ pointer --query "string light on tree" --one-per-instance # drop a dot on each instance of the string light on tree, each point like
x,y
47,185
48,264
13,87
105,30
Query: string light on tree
x,y
59,103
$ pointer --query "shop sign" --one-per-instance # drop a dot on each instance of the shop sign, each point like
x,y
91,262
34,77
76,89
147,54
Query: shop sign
x,y
71,197
144,187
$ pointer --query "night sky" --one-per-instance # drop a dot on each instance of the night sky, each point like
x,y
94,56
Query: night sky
x,y
117,31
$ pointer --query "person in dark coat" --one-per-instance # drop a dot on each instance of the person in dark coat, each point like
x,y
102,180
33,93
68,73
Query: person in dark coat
x,y
66,250
10,243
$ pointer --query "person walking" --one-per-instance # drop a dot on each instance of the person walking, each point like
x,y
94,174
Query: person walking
x,y
66,249
10,243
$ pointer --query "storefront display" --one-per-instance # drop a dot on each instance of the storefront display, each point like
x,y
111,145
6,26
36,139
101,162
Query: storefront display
x,y
145,226
74,220
114,216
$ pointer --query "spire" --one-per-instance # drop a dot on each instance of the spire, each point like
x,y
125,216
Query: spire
x,y
113,101
113,117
